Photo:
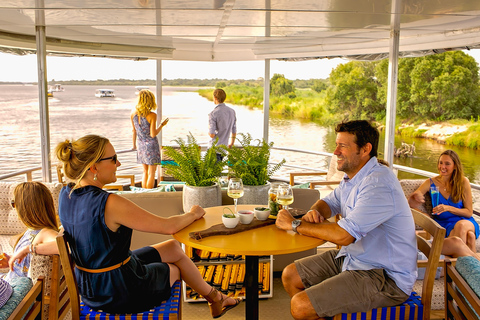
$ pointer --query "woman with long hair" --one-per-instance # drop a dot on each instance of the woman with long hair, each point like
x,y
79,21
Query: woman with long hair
x,y
98,227
144,127
35,208
455,209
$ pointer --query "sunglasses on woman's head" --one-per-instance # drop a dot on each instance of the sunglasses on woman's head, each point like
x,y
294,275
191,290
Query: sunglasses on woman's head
x,y
113,158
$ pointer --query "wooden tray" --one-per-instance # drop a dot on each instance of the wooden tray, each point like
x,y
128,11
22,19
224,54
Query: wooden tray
x,y
220,229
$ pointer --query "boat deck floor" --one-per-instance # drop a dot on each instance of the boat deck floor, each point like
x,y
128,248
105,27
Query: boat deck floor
x,y
277,307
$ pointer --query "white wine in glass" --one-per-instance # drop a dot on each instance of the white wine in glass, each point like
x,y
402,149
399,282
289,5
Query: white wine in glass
x,y
235,190
285,195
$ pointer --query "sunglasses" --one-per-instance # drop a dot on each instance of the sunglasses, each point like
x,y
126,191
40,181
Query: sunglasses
x,y
113,158
13,203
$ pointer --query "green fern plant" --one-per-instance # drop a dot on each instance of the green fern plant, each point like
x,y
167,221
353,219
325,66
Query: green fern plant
x,y
250,161
191,166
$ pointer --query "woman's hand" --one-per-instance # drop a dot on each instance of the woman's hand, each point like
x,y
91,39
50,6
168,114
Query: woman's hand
x,y
313,216
197,211
416,199
18,256
440,209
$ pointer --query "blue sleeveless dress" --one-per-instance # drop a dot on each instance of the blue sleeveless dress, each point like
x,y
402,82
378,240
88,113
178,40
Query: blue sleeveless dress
x,y
148,149
139,285
447,219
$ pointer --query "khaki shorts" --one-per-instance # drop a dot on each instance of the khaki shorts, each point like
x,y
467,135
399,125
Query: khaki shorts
x,y
332,291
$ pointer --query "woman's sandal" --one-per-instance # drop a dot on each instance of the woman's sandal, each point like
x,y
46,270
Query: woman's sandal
x,y
216,307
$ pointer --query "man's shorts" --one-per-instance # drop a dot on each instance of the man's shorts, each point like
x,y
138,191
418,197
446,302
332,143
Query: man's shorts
x,y
332,291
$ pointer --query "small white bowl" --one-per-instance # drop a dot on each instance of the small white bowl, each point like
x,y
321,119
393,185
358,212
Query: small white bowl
x,y
262,214
230,222
246,216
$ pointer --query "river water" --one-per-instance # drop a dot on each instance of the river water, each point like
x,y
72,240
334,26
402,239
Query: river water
x,y
76,112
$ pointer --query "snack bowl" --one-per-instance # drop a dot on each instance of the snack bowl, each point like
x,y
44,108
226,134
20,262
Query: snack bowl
x,y
246,216
230,220
262,213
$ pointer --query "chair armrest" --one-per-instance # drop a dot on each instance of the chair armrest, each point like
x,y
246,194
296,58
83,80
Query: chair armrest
x,y
298,174
127,176
322,183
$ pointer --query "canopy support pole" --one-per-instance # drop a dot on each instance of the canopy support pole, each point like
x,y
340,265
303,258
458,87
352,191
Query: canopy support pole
x,y
159,92
392,81
266,99
42,91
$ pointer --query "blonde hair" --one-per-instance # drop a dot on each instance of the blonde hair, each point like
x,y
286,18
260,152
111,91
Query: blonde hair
x,y
34,205
146,103
79,155
456,180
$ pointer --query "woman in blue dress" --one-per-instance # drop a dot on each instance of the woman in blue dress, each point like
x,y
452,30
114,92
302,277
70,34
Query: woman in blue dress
x,y
98,227
454,211
144,124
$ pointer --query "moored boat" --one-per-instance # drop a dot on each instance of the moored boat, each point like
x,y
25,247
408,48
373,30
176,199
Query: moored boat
x,y
104,93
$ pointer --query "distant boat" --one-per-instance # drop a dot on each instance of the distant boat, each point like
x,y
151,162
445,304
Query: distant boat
x,y
50,93
140,88
58,88
104,93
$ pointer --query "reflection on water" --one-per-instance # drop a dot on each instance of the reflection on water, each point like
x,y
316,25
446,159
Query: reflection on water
x,y
76,112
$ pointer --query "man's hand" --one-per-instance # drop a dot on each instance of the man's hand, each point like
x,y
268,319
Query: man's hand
x,y
313,216
284,220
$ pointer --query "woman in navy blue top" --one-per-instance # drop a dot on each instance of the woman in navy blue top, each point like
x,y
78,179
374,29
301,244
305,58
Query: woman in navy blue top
x,y
454,210
98,227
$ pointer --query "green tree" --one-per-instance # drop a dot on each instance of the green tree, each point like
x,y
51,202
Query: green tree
x,y
353,90
319,85
220,85
280,86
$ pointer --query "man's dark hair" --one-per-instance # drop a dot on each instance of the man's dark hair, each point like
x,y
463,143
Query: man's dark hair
x,y
364,133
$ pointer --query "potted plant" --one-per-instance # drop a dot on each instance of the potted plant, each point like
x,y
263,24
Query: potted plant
x,y
250,163
199,171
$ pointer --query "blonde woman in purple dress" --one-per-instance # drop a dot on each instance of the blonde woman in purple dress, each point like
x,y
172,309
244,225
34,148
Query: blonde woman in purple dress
x,y
145,131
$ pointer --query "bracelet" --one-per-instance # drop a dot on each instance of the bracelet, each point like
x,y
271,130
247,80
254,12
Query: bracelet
x,y
33,249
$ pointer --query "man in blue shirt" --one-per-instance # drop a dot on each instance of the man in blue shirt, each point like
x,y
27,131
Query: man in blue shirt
x,y
376,266
221,122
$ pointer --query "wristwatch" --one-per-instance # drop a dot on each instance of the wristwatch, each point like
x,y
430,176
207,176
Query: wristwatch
x,y
295,224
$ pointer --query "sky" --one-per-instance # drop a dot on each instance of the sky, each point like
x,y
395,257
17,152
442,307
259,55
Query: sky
x,y
24,68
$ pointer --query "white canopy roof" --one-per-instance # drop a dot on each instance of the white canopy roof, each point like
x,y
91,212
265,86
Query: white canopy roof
x,y
231,30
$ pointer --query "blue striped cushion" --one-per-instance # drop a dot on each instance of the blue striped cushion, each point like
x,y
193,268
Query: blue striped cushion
x,y
5,292
167,310
410,309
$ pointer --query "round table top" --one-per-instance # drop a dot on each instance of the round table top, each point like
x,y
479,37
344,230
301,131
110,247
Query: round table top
x,y
267,240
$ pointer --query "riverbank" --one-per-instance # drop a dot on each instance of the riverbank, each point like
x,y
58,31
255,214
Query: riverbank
x,y
463,134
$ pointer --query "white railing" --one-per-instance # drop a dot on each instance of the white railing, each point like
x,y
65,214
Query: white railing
x,y
29,173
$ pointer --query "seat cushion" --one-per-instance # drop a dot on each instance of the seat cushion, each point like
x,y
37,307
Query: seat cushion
x,y
20,286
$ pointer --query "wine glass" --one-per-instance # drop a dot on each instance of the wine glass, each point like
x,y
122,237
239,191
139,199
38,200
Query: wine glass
x,y
235,190
284,195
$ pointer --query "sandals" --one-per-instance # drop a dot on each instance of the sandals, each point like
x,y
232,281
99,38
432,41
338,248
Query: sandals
x,y
216,307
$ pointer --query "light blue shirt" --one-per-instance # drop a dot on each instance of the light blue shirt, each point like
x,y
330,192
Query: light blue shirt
x,y
222,121
375,212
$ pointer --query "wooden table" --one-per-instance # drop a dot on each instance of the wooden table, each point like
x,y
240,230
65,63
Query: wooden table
x,y
267,240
